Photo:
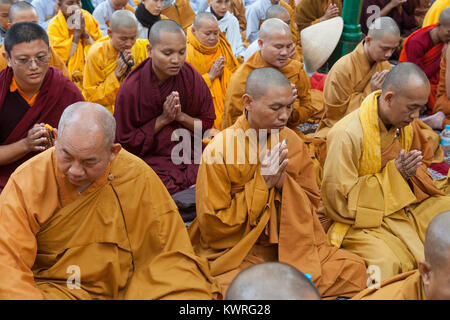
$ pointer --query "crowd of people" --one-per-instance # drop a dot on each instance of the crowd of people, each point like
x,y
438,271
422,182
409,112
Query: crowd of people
x,y
116,115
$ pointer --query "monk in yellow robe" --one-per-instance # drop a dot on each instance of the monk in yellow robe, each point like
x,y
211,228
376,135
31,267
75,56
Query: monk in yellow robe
x,y
179,11
111,58
431,280
210,54
308,12
72,32
376,186
92,238
262,206
24,12
432,15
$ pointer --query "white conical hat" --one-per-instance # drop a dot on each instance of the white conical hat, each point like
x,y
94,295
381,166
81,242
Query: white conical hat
x,y
319,41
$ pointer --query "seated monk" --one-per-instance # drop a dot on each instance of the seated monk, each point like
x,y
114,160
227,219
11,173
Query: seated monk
x,y
432,15
442,108
32,94
209,52
272,281
92,238
111,58
104,11
263,206
354,76
24,12
4,11
424,48
159,101
431,280
308,12
148,13
376,185
72,31
179,11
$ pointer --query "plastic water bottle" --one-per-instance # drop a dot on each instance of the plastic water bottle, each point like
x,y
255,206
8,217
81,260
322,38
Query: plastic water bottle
x,y
445,143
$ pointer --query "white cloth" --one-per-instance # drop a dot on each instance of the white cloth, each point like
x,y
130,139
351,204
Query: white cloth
x,y
248,3
45,10
95,3
251,49
102,14
254,14
200,5
229,26
142,32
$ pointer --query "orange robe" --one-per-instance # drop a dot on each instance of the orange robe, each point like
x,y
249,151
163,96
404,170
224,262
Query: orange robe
x,y
442,99
118,244
240,222
308,12
181,12
202,58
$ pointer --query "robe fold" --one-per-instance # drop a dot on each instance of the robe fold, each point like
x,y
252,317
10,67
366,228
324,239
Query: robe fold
x,y
181,12
120,244
61,40
100,84
432,15
378,214
56,93
140,101
308,12
240,222
442,99
202,58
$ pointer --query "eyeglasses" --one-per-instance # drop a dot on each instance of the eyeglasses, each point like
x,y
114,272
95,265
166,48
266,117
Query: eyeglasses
x,y
42,60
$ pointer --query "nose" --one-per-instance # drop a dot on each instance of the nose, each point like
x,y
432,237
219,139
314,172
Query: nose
x,y
76,170
284,115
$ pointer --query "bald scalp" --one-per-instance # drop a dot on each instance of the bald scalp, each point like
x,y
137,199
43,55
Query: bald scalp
x,y
270,26
271,281
259,80
20,7
381,26
275,11
437,242
123,19
202,17
88,117
164,26
399,79
444,17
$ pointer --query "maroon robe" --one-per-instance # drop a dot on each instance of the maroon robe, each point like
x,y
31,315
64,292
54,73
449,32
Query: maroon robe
x,y
56,93
140,101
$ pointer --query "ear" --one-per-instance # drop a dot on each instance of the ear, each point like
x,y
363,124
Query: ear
x,y
388,96
260,43
368,39
7,58
115,149
425,272
247,100
193,29
109,32
149,50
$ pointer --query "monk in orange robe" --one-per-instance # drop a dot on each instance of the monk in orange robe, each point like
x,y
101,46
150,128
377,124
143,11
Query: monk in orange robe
x,y
262,206
442,107
92,238
210,54
181,12
308,12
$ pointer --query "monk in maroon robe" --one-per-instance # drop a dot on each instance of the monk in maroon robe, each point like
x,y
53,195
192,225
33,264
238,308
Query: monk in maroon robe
x,y
158,102
31,94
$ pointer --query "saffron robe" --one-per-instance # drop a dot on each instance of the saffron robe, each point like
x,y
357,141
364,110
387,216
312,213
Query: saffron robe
x,y
442,98
240,222
202,58
56,93
61,40
100,84
432,16
308,12
378,214
181,12
140,102
125,245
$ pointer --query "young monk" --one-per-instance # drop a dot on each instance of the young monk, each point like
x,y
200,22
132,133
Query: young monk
x,y
179,11
24,12
71,34
4,13
111,58
92,238
262,206
210,54
308,12
376,185
159,103
104,11
32,94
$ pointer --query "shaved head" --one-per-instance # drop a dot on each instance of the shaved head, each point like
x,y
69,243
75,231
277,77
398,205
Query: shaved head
x,y
18,7
123,19
380,26
275,11
201,17
271,281
164,26
437,242
270,26
260,79
444,18
400,78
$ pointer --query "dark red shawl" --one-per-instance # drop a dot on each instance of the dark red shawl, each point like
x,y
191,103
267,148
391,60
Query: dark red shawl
x,y
56,93
140,101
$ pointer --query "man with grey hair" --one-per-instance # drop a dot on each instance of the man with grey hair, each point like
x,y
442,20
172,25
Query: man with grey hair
x,y
111,58
88,220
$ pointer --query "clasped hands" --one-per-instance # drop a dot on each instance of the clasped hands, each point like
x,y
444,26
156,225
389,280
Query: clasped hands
x,y
408,163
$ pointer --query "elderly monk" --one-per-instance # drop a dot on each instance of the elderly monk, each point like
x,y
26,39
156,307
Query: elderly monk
x,y
32,94
104,11
209,52
24,12
159,102
4,12
179,11
262,207
376,185
308,12
432,15
431,280
272,281
72,32
354,76
111,58
92,238
424,48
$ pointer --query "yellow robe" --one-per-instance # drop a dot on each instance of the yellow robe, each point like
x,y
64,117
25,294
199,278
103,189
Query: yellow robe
x,y
432,16
181,12
100,84
202,58
378,215
308,12
240,222
123,237
61,40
